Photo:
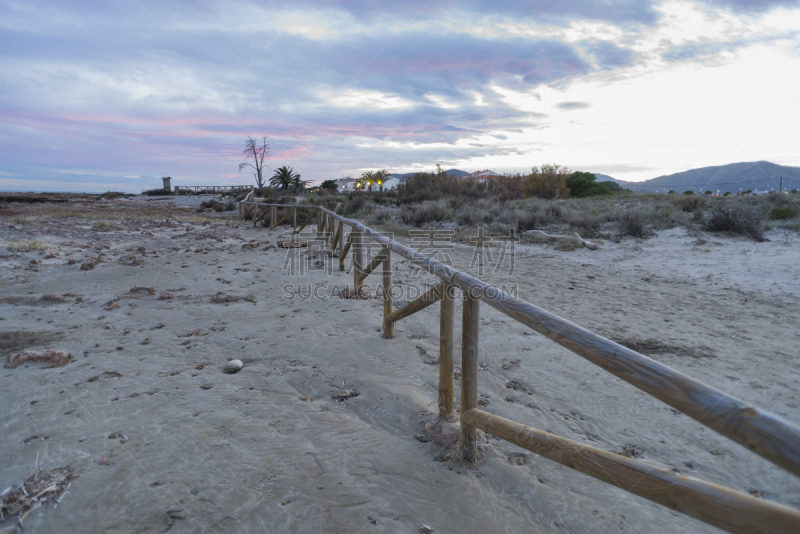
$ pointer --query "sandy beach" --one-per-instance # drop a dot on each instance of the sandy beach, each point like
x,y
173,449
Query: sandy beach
x,y
146,416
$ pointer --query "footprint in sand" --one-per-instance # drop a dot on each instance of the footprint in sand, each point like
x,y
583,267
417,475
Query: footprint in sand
x,y
310,466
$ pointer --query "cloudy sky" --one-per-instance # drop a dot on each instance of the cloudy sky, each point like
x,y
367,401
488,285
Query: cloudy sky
x,y
98,95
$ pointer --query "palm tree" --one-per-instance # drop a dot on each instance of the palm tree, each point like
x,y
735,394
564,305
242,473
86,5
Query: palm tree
x,y
298,183
381,176
284,177
367,177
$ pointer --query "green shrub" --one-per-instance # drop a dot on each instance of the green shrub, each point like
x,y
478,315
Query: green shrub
x,y
582,184
425,214
671,192
633,223
357,203
688,192
708,193
739,219
778,213
689,203
157,192
780,199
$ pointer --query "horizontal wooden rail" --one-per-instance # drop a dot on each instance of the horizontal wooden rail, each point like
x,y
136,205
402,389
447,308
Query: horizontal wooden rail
x,y
711,503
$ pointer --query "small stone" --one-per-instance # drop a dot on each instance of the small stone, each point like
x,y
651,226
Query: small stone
x,y
233,367
425,529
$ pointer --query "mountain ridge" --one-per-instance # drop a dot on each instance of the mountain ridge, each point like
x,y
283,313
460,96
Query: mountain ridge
x,y
733,178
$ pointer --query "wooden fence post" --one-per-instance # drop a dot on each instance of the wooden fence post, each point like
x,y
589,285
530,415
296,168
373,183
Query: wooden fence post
x,y
447,363
388,301
320,222
346,242
294,220
273,216
469,373
338,240
356,237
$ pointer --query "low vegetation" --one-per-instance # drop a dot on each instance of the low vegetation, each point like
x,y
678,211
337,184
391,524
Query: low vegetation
x,y
26,245
163,191
553,199
106,226
737,218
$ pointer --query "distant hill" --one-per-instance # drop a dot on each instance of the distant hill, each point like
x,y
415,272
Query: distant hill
x,y
734,177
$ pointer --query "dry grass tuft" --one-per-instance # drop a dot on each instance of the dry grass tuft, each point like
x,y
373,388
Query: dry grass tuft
x,y
633,223
105,226
568,244
26,245
737,218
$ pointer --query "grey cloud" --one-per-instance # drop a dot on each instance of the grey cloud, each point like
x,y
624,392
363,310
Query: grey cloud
x,y
752,6
573,105
608,55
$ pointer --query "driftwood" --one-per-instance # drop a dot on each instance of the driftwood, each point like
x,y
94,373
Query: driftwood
x,y
35,491
549,238
56,358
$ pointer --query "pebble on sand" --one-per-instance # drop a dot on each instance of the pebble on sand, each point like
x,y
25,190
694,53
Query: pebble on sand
x,y
233,366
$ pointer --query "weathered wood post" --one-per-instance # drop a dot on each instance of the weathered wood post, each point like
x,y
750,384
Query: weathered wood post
x,y
338,241
273,216
241,211
469,373
320,222
294,220
388,301
356,237
344,248
447,363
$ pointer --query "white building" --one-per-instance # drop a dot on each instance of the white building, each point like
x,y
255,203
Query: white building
x,y
346,184
391,183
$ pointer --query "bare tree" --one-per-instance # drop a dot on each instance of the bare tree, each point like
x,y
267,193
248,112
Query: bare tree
x,y
257,153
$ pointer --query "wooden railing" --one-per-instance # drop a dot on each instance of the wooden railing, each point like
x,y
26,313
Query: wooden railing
x,y
213,188
763,433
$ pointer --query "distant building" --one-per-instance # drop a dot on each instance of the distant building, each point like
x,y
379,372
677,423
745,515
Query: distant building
x,y
346,184
166,180
481,176
392,183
